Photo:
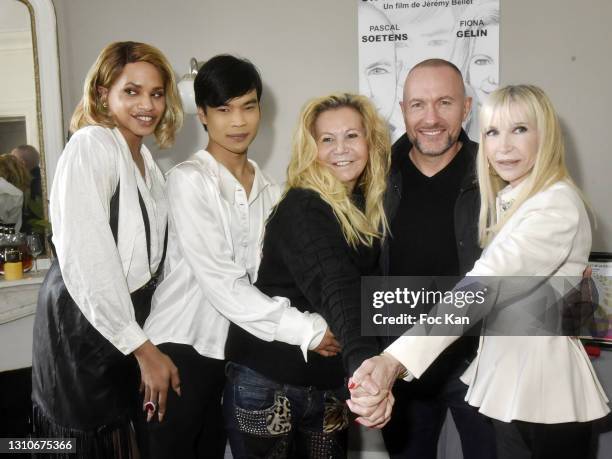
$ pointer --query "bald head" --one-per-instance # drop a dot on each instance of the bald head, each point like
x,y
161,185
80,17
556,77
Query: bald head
x,y
437,64
434,107
28,155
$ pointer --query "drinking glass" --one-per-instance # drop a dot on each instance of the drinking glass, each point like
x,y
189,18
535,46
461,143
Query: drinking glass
x,y
35,245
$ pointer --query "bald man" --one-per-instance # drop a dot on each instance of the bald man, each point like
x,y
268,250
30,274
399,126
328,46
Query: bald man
x,y
432,204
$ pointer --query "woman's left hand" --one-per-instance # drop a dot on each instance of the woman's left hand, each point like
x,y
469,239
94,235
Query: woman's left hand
x,y
158,373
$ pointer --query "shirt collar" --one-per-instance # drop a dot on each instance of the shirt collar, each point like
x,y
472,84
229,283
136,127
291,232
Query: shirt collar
x,y
228,184
260,183
507,196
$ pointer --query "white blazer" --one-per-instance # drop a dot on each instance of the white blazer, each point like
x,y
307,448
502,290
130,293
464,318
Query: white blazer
x,y
543,379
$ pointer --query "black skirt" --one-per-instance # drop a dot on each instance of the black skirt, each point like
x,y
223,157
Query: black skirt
x,y
82,386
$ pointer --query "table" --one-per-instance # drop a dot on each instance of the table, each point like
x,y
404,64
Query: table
x,y
17,307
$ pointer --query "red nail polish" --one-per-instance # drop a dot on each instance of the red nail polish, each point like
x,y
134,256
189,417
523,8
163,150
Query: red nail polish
x,y
352,385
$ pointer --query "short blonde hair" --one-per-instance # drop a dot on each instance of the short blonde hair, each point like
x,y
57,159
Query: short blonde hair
x,y
105,71
549,167
305,171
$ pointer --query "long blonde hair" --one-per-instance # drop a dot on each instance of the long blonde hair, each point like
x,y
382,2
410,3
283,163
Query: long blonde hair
x,y
549,167
305,171
105,71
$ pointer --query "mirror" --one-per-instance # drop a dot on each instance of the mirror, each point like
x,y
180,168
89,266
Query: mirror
x,y
30,101
18,111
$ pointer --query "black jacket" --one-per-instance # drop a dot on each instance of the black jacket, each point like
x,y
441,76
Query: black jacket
x,y
467,207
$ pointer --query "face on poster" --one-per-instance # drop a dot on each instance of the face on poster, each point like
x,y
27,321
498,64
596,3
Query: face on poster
x,y
396,35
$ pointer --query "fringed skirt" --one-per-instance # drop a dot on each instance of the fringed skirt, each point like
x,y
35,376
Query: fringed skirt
x,y
82,386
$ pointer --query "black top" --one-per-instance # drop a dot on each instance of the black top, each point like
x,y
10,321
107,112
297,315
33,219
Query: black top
x,y
461,216
35,194
35,183
79,379
466,207
306,259
423,242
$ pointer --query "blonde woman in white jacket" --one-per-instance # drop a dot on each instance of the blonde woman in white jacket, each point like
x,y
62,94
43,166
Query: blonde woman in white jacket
x,y
541,392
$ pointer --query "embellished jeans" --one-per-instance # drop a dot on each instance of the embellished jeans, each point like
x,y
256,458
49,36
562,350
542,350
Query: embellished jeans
x,y
266,419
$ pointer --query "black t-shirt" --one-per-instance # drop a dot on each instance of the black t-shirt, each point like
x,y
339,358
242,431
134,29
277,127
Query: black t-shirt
x,y
423,239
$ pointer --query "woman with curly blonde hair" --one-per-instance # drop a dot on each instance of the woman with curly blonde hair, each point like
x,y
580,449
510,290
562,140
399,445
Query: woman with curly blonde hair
x,y
108,210
321,238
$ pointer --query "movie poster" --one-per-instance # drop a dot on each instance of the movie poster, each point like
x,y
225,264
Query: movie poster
x,y
395,35
601,265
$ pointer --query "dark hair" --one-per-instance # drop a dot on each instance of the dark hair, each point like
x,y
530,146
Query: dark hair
x,y
28,154
225,77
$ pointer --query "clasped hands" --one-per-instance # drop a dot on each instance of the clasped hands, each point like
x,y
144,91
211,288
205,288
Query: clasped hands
x,y
370,387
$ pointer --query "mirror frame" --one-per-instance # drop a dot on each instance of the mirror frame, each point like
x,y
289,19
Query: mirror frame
x,y
43,23
48,91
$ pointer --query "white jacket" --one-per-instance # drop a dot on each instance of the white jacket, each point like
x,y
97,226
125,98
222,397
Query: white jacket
x,y
544,379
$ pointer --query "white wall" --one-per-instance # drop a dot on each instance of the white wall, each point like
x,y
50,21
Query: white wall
x,y
565,47
308,48
303,49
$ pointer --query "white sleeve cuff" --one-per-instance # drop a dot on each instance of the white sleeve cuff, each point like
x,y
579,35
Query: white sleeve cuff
x,y
417,353
130,338
303,329
408,376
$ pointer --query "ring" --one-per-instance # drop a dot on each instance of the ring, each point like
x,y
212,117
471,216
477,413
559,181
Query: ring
x,y
150,406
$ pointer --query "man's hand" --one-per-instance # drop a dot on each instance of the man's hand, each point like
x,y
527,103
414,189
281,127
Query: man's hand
x,y
157,373
329,346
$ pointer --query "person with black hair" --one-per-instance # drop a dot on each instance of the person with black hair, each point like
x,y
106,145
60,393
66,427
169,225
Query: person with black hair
x,y
219,201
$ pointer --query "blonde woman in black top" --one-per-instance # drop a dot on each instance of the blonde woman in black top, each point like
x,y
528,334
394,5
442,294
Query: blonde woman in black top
x,y
321,238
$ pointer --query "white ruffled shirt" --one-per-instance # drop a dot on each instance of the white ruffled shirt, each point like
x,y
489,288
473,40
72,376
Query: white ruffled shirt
x,y
99,273
215,234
